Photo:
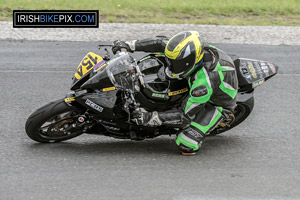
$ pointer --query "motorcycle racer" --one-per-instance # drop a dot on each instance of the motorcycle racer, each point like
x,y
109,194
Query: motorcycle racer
x,y
212,83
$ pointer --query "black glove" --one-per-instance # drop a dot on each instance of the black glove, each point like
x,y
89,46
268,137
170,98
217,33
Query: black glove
x,y
118,45
146,118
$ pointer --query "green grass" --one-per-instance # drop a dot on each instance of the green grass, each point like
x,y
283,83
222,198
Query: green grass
x,y
220,12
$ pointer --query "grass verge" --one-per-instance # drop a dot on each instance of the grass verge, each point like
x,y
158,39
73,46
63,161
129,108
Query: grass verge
x,y
218,12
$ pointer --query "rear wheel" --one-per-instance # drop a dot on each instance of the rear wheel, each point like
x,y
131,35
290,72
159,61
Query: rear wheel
x,y
241,112
54,122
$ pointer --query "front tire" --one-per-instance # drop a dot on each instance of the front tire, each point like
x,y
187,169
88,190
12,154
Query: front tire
x,y
53,123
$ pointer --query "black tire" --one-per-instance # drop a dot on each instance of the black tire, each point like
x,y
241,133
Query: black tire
x,y
50,111
242,111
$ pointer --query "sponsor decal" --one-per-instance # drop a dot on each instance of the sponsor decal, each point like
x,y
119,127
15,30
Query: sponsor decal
x,y
55,18
272,67
252,70
110,123
258,69
199,91
87,64
265,72
178,92
257,83
99,65
69,99
194,133
248,76
265,68
94,105
158,95
108,89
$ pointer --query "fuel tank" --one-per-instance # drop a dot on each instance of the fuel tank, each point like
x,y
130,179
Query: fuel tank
x,y
160,92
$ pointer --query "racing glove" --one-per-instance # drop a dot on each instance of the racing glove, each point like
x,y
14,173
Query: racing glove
x,y
119,45
142,117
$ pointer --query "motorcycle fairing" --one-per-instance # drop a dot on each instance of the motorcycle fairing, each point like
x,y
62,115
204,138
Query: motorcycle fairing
x,y
84,69
101,103
117,74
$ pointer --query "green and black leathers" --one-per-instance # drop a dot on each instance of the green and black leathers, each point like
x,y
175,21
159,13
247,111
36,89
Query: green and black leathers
x,y
212,91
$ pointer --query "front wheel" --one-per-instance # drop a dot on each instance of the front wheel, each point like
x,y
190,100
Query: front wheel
x,y
54,122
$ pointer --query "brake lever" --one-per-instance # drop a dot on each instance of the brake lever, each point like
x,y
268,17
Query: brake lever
x,y
107,55
122,50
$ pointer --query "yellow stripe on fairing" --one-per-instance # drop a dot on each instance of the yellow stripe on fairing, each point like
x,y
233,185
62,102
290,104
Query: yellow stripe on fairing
x,y
108,89
69,99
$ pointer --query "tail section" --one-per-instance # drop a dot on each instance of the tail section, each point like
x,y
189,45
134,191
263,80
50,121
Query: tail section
x,y
252,73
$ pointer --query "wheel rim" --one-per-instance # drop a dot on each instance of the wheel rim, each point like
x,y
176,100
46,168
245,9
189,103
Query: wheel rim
x,y
61,126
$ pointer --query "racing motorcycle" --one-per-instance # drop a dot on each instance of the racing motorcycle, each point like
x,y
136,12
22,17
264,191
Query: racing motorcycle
x,y
105,91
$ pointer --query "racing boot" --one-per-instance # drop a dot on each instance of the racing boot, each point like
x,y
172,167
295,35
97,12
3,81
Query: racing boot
x,y
189,140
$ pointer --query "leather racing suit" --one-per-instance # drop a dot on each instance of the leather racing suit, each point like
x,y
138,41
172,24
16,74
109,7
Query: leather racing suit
x,y
212,94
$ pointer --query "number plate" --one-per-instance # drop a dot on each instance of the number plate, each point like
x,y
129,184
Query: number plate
x,y
87,64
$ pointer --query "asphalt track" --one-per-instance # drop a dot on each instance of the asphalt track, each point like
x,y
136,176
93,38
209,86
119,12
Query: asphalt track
x,y
257,160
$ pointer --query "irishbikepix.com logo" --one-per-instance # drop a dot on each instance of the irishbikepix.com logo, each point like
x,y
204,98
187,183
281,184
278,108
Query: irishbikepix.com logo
x,y
55,18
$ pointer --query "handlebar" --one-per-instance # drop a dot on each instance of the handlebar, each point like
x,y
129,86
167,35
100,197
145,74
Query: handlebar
x,y
123,50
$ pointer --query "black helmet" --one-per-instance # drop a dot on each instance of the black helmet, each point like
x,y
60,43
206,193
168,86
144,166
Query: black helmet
x,y
183,52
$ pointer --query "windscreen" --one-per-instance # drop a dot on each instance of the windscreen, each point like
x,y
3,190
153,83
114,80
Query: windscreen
x,y
120,69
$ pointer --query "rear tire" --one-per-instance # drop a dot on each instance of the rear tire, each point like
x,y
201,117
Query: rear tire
x,y
241,112
60,114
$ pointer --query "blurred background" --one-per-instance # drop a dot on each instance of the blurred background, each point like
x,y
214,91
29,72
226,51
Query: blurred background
x,y
217,12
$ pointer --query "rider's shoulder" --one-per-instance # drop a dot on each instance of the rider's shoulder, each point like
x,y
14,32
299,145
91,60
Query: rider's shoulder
x,y
213,55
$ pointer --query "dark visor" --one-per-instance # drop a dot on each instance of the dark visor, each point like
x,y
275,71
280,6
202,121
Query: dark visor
x,y
181,65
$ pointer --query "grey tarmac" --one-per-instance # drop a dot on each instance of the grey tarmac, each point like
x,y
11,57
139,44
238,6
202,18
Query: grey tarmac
x,y
259,159
269,35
